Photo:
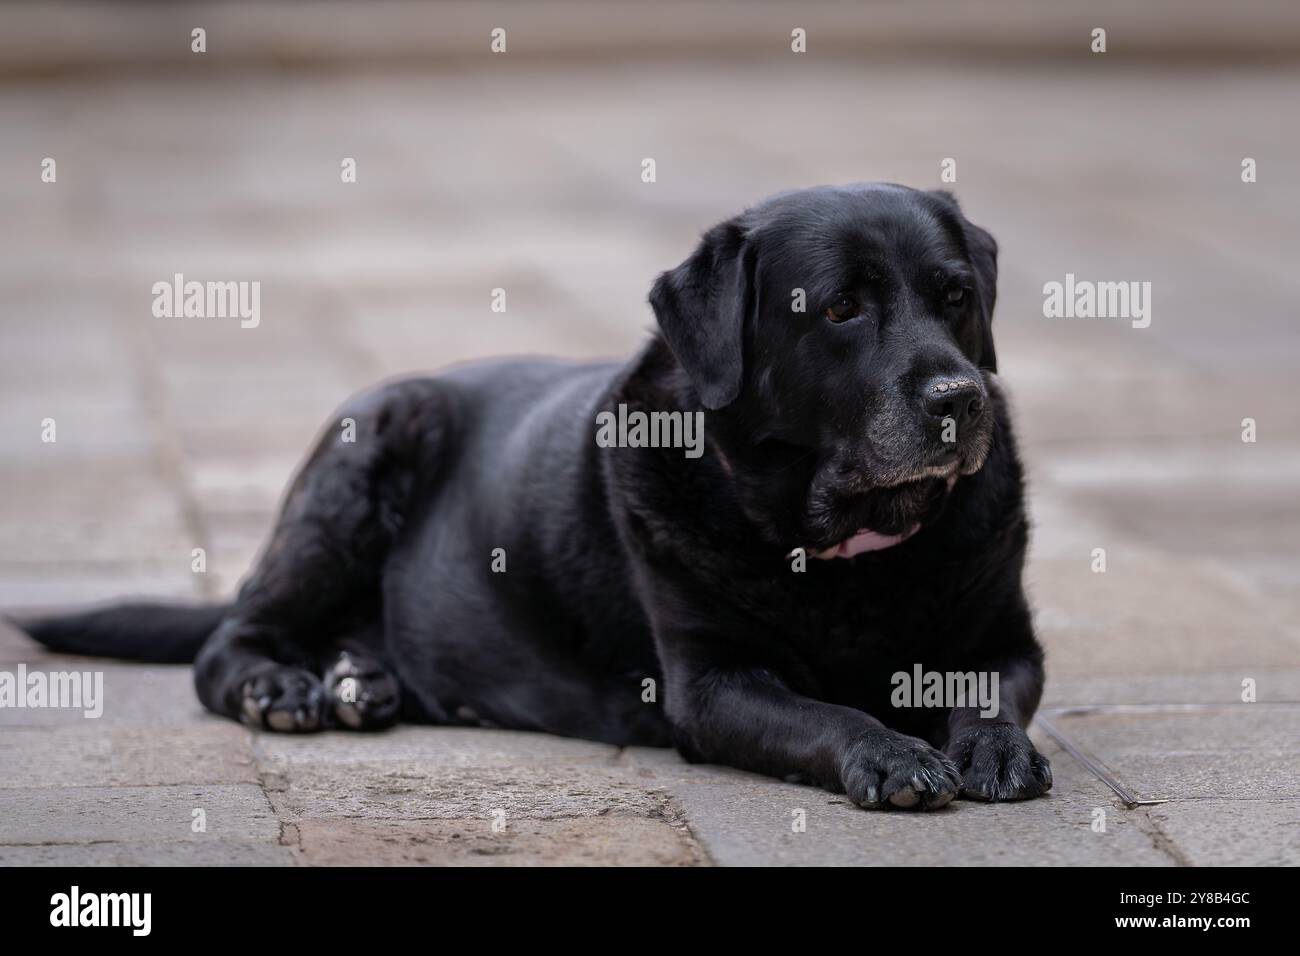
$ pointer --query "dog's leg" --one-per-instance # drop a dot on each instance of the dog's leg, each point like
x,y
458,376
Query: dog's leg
x,y
749,719
994,754
322,567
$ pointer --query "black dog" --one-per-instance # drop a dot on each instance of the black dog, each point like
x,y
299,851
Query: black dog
x,y
476,556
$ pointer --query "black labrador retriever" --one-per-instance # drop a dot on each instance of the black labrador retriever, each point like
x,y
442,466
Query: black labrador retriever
x,y
553,546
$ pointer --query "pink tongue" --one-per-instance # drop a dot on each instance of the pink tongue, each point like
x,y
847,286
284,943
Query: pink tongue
x,y
865,541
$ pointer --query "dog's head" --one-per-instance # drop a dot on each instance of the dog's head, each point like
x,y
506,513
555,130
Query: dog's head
x,y
852,327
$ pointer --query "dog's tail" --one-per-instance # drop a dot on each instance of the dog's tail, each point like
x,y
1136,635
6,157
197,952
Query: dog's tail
x,y
149,633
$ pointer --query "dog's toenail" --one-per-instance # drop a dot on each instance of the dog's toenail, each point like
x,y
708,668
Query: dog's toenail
x,y
348,714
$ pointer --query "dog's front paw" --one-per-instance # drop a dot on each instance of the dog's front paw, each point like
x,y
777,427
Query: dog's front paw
x,y
997,762
883,768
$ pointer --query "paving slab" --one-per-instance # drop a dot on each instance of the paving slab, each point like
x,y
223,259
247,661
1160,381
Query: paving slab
x,y
214,852
1273,686
745,820
87,755
585,841
1223,833
1152,612
1246,752
416,791
154,696
453,747
468,797
135,814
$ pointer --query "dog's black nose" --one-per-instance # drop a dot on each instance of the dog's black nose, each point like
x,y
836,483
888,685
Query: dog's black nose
x,y
961,399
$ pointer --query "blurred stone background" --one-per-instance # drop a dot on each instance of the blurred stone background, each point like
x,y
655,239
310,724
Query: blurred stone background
x,y
522,171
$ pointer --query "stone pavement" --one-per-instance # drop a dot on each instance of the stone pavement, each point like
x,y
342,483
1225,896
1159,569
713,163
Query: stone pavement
x,y
177,434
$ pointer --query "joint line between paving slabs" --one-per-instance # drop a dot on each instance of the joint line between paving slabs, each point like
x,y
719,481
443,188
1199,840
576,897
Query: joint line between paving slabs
x,y
1093,765
169,450
1083,710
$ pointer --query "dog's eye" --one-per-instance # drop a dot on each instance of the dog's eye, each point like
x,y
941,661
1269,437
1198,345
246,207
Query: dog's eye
x,y
956,296
842,308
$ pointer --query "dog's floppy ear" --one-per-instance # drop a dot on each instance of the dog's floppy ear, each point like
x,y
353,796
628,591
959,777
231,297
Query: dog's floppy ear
x,y
984,255
983,250
701,308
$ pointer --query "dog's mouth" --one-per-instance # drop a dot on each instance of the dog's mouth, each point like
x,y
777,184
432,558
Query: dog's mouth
x,y
865,540
882,518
